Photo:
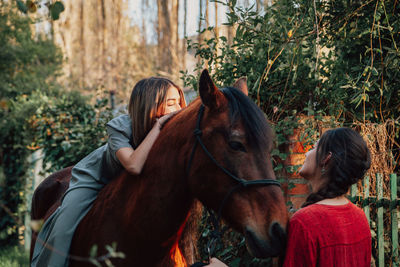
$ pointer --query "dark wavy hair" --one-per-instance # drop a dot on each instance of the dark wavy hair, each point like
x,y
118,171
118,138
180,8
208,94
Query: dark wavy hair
x,y
350,160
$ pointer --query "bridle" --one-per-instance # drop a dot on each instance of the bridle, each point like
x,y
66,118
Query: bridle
x,y
241,183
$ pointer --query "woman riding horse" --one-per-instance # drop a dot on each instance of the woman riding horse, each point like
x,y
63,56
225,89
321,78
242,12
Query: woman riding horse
x,y
221,156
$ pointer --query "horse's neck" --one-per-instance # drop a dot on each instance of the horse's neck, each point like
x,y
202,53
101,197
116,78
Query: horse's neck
x,y
154,206
161,194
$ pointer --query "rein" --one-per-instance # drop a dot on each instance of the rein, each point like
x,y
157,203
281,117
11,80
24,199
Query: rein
x,y
241,183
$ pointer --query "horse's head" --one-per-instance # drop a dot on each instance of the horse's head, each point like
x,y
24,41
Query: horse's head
x,y
236,134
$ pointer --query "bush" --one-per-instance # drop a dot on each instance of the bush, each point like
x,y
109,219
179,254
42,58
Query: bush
x,y
14,257
36,112
68,128
27,65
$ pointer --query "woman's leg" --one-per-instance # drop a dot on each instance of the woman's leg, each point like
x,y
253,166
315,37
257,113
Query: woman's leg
x,y
54,239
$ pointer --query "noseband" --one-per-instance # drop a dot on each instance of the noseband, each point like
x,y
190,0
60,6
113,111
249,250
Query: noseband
x,y
241,183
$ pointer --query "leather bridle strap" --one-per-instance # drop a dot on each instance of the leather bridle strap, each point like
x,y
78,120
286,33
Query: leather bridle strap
x,y
242,182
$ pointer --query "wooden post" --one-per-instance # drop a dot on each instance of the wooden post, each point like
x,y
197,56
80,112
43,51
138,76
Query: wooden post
x,y
366,196
35,161
380,230
393,215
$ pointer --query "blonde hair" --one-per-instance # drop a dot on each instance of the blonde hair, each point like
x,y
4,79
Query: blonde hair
x,y
147,103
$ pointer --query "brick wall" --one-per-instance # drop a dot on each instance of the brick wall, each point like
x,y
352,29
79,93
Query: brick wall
x,y
297,188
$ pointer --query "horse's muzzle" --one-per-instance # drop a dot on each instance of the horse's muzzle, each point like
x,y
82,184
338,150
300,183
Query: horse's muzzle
x,y
261,248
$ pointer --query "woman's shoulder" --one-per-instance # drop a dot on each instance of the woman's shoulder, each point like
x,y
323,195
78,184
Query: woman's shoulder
x,y
119,120
121,123
304,214
316,212
307,210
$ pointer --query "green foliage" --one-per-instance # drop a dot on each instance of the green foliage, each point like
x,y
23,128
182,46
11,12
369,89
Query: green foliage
x,y
277,66
106,259
357,61
28,65
13,257
54,9
68,128
14,137
36,113
231,249
364,71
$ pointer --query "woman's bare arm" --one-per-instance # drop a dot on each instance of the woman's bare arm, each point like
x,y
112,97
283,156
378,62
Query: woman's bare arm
x,y
214,262
133,159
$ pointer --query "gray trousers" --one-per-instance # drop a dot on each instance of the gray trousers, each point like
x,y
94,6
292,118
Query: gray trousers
x,y
54,239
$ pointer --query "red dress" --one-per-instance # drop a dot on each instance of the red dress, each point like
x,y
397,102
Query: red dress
x,y
325,235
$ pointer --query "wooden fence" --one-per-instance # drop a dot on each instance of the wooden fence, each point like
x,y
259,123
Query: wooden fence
x,y
384,207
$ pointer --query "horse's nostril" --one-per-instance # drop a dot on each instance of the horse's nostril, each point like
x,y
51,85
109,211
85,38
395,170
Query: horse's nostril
x,y
278,235
262,248
278,230
257,247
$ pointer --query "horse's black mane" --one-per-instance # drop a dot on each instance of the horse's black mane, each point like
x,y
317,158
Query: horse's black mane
x,y
258,132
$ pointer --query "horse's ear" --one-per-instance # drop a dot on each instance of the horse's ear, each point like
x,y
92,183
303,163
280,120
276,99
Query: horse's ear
x,y
208,90
241,84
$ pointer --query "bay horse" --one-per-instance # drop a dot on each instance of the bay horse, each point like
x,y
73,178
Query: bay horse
x,y
145,214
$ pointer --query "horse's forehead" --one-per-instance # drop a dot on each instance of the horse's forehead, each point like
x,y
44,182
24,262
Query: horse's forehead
x,y
237,129
220,115
236,133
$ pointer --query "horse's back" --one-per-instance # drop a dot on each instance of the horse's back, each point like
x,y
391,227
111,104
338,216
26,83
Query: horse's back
x,y
47,197
49,192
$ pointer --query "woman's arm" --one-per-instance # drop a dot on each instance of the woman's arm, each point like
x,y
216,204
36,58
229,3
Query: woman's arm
x,y
133,159
214,262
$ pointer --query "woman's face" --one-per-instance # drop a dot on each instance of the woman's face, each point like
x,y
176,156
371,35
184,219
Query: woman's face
x,y
173,100
310,168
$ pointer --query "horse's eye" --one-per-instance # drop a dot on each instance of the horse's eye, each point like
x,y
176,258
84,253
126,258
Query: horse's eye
x,y
237,146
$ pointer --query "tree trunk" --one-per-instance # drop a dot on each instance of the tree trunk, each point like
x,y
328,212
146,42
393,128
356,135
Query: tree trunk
x,y
144,29
175,44
199,36
216,30
82,43
102,33
168,35
207,15
216,21
162,32
184,34
118,46
258,5
100,46
230,30
200,21
160,22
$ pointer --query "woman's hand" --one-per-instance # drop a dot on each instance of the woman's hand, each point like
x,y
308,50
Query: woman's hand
x,y
214,262
133,159
164,119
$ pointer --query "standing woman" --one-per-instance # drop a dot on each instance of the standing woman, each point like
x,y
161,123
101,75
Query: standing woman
x,y
130,137
329,230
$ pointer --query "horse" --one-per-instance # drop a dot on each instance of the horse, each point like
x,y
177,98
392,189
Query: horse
x,y
217,151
